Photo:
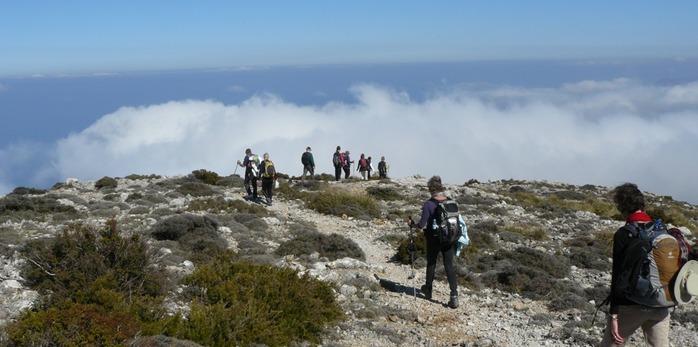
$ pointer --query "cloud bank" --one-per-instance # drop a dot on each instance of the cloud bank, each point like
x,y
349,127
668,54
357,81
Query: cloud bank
x,y
600,132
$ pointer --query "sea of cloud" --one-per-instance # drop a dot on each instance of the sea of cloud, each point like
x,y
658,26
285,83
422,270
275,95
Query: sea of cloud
x,y
600,132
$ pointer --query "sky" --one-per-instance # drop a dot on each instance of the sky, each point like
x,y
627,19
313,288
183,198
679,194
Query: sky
x,y
76,37
594,92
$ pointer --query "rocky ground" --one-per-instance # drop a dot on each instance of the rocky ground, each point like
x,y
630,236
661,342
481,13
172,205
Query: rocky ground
x,y
376,293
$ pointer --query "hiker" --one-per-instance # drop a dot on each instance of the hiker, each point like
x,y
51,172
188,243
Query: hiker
x,y
382,168
434,243
363,166
346,165
308,163
338,162
370,168
250,164
268,174
631,306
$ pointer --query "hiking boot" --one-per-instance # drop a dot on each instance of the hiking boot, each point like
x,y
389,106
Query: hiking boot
x,y
453,303
426,291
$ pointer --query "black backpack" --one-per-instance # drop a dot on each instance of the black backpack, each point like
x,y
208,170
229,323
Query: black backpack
x,y
305,159
448,228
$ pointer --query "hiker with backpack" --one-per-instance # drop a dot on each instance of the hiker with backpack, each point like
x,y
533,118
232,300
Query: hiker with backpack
x,y
308,163
382,169
267,173
442,235
346,165
646,260
370,168
338,162
250,163
363,166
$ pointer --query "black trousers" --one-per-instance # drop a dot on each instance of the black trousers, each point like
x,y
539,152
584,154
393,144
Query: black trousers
x,y
448,255
337,172
251,183
268,188
347,171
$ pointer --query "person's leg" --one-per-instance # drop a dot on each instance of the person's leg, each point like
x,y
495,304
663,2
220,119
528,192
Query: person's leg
x,y
312,172
305,171
248,188
254,187
363,175
656,329
337,173
432,254
629,319
449,255
271,190
347,171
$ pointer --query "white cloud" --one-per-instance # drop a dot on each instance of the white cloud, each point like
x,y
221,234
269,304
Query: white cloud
x,y
591,132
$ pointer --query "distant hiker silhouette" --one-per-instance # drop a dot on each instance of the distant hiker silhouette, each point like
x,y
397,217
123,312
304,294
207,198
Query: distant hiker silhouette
x,y
267,172
250,163
383,169
308,163
363,166
346,164
338,162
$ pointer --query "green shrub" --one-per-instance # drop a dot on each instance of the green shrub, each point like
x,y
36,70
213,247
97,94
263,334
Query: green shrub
x,y
333,246
591,251
208,177
338,202
73,324
251,221
533,232
106,182
161,341
197,234
289,192
79,262
221,205
195,189
570,195
384,193
420,250
553,265
28,191
241,304
142,177
231,181
670,215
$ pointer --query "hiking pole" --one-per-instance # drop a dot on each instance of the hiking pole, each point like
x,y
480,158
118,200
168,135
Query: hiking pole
x,y
411,248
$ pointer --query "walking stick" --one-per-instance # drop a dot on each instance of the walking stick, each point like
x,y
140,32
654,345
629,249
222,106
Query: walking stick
x,y
412,249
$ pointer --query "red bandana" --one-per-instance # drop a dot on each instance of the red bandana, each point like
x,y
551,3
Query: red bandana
x,y
639,217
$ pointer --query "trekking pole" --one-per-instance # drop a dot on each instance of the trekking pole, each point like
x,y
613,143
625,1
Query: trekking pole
x,y
236,169
412,249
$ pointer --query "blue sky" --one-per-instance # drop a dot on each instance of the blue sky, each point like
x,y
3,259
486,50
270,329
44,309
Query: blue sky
x,y
73,37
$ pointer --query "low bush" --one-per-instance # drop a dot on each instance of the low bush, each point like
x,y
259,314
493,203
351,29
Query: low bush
x,y
419,247
219,204
670,215
333,246
290,192
28,191
570,195
477,199
231,181
142,177
338,202
161,341
532,232
242,304
195,189
208,177
197,234
591,251
553,265
384,193
73,324
251,221
106,182
24,207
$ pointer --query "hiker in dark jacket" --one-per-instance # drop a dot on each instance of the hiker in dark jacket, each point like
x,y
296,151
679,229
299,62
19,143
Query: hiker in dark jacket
x,y
267,173
338,162
625,315
250,174
383,168
308,163
370,168
347,165
427,223
363,166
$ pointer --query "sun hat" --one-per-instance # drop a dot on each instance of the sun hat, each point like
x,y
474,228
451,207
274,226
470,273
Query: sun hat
x,y
686,285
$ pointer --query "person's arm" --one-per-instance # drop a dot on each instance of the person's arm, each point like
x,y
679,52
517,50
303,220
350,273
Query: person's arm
x,y
426,213
312,160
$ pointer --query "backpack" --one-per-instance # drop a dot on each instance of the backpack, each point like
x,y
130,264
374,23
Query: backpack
x,y
255,159
269,170
363,163
337,159
684,246
305,159
447,227
342,159
650,264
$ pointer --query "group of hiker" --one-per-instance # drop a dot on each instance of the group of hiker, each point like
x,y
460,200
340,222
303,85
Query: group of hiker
x,y
342,162
654,267
264,170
